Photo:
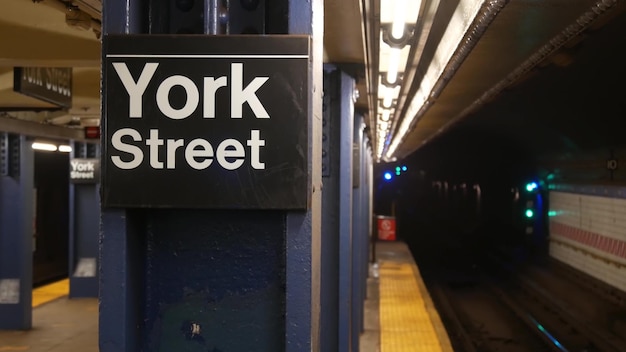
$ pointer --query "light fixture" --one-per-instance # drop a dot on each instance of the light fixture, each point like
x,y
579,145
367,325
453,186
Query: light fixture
x,y
385,115
65,149
398,19
388,96
44,146
398,24
430,86
394,64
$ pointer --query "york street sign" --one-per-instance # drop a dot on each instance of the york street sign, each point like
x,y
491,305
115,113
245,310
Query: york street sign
x,y
205,121
84,170
50,84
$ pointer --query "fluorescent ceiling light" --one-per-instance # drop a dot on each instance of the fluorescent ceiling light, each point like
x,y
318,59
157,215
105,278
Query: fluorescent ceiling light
x,y
388,95
460,22
406,12
65,148
385,115
395,15
44,146
394,64
397,28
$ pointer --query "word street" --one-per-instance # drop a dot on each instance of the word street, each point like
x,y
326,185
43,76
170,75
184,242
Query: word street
x,y
199,153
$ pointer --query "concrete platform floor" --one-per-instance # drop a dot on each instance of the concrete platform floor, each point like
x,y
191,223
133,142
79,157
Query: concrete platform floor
x,y
62,325
65,325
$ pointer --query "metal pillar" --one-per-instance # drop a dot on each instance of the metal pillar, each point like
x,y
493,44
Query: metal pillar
x,y
369,213
304,229
357,232
84,228
214,280
16,231
365,216
337,210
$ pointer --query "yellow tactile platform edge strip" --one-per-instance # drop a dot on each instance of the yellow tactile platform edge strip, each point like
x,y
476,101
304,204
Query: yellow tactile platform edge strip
x,y
407,313
47,293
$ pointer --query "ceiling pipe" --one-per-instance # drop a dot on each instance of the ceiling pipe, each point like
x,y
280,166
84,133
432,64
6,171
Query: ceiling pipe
x,y
370,19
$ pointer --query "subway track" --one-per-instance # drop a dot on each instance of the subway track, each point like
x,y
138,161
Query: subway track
x,y
478,320
499,306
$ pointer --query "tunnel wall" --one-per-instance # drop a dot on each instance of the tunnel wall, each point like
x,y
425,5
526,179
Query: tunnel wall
x,y
588,231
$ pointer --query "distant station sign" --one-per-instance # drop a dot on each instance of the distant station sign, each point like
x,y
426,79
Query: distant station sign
x,y
205,121
84,170
50,84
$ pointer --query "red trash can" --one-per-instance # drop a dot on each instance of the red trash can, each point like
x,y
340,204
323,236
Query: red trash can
x,y
386,228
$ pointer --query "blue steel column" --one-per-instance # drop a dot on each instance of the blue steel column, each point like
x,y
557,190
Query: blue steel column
x,y
365,240
121,237
16,231
304,229
249,280
84,229
370,210
357,232
369,173
336,210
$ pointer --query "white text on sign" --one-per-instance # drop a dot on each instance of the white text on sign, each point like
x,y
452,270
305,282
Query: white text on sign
x,y
199,153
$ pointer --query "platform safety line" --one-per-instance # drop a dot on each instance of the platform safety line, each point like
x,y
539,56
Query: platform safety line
x,y
405,324
47,293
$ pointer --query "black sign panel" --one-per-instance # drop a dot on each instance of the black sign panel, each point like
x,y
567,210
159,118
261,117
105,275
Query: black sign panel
x,y
83,170
50,84
205,121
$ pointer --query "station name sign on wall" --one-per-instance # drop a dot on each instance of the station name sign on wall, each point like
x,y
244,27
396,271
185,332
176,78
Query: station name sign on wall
x,y
50,84
205,121
84,170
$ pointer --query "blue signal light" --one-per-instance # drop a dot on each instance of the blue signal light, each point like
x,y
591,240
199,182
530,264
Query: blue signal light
x,y
388,176
403,167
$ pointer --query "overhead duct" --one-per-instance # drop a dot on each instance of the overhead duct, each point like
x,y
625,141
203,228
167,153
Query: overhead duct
x,y
80,14
78,19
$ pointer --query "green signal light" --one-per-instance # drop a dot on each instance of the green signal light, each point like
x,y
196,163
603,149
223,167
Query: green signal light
x,y
529,213
397,173
531,186
397,168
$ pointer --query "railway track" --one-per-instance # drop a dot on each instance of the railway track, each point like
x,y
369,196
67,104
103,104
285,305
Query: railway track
x,y
478,320
536,309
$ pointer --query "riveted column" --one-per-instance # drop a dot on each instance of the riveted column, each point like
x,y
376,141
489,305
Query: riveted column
x,y
211,279
16,231
337,205
84,202
358,230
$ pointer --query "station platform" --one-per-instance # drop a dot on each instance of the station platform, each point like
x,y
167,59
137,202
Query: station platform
x,y
399,314
408,320
59,324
